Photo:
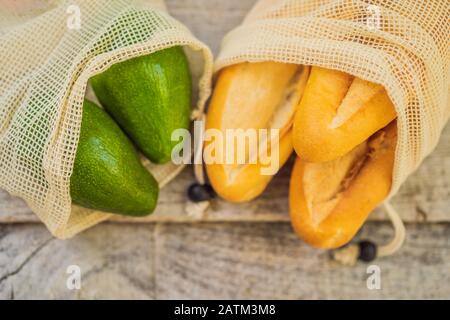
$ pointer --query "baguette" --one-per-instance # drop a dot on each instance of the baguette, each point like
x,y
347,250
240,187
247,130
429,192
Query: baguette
x,y
261,95
337,113
329,201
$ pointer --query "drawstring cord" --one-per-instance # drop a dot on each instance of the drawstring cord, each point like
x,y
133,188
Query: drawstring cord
x,y
199,192
368,251
399,236
198,154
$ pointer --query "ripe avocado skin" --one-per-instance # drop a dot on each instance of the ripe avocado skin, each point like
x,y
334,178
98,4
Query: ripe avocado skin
x,y
107,174
149,97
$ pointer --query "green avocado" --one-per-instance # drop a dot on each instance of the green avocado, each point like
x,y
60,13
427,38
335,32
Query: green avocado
x,y
149,97
107,174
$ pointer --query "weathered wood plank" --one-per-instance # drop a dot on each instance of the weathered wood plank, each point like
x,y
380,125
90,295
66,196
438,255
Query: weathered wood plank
x,y
213,261
267,261
114,262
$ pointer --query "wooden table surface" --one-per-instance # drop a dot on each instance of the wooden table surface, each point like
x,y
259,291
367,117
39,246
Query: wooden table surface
x,y
237,251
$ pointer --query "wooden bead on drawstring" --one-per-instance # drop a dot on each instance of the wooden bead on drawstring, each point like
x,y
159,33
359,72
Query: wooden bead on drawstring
x,y
367,251
200,192
364,250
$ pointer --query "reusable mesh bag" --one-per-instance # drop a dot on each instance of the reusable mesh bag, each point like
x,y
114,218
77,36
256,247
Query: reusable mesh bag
x,y
44,70
401,44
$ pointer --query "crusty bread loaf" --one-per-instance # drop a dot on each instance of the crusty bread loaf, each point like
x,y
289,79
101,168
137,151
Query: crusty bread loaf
x,y
338,112
261,95
329,201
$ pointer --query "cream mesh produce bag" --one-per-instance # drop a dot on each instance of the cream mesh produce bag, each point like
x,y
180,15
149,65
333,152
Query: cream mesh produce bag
x,y
401,44
46,60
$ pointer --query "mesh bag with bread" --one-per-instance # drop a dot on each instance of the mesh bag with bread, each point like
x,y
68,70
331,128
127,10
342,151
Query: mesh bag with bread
x,y
359,89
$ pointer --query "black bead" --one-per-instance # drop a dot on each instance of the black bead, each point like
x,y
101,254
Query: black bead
x,y
200,192
367,251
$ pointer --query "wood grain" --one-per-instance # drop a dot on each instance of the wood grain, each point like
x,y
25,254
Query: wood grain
x,y
114,262
267,261
214,261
